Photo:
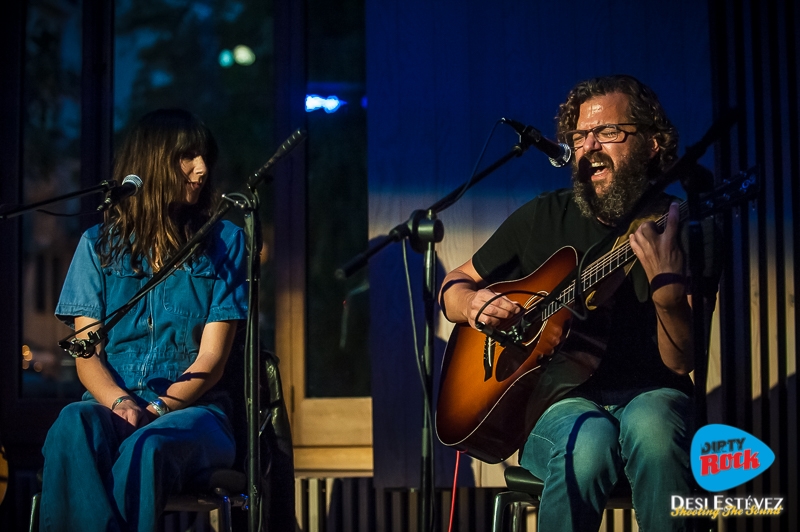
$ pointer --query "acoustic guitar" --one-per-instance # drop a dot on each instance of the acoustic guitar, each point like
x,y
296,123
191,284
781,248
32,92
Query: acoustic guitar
x,y
495,384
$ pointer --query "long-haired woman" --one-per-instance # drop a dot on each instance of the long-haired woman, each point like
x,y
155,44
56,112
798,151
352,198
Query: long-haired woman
x,y
152,421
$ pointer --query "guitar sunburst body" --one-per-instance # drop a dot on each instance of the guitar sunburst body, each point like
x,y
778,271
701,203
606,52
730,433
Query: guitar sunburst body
x,y
488,412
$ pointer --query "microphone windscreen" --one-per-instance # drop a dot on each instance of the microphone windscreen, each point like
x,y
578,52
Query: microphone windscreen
x,y
135,180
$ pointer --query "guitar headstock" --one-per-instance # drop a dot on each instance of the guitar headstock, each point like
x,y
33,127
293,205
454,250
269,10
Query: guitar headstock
x,y
742,188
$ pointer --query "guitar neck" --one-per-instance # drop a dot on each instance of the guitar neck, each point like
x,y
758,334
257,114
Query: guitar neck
x,y
602,268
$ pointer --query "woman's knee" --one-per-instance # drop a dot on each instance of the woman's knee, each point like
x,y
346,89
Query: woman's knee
x,y
188,435
76,421
83,428
80,410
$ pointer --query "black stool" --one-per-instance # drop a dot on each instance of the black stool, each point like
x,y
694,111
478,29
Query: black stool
x,y
526,489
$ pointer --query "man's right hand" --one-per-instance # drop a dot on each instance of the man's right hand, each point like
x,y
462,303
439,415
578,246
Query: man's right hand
x,y
463,294
498,310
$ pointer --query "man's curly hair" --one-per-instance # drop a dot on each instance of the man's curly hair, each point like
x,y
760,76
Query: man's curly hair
x,y
645,110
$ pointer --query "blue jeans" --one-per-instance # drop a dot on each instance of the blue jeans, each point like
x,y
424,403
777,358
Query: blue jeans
x,y
95,482
581,449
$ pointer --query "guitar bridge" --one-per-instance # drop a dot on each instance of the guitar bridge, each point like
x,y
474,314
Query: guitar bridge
x,y
488,357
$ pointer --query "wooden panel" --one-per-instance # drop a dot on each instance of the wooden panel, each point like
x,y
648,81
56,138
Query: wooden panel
x,y
332,461
315,422
320,422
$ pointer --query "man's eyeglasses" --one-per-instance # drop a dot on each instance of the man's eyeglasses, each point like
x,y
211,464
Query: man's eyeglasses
x,y
603,133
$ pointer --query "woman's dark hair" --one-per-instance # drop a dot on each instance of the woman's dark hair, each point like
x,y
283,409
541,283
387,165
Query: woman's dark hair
x,y
155,223
644,109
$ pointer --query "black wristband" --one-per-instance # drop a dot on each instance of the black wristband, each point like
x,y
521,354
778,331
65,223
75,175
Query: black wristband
x,y
663,279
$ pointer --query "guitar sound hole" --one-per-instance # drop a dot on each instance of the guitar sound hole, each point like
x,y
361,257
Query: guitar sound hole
x,y
510,361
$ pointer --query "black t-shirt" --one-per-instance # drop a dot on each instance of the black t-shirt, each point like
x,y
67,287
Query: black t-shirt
x,y
631,362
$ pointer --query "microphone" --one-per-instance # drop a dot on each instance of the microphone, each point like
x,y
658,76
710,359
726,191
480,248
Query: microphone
x,y
559,154
130,186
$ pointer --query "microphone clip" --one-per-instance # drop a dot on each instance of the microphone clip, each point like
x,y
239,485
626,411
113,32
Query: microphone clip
x,y
110,185
115,193
515,335
81,347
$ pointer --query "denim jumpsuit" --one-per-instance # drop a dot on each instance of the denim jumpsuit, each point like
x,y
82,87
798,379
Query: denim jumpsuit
x,y
94,481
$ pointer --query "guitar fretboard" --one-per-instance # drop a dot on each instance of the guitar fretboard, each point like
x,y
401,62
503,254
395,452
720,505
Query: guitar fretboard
x,y
599,270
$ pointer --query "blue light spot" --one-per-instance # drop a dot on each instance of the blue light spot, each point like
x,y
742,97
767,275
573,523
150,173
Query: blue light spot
x,y
201,10
225,58
364,101
330,104
159,78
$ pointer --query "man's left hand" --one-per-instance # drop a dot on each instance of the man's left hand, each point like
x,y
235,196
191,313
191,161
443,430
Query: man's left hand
x,y
661,257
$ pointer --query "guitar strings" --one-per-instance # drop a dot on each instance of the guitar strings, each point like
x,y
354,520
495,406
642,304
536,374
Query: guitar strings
x,y
618,255
599,268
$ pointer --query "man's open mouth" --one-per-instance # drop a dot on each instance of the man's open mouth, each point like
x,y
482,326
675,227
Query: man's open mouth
x,y
599,169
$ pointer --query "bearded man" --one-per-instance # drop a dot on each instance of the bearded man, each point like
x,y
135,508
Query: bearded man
x,y
631,418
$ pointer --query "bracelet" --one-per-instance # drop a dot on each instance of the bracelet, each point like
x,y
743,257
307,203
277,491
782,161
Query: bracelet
x,y
663,279
159,406
119,400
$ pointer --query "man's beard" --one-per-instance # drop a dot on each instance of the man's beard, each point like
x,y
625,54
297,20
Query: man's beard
x,y
627,185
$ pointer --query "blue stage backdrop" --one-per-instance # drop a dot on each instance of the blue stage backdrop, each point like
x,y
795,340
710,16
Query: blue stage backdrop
x,y
439,76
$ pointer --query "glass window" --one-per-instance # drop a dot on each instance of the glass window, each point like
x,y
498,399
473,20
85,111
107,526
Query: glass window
x,y
212,58
337,359
51,166
216,60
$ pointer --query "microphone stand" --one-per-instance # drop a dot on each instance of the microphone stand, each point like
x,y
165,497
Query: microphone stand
x,y
11,211
696,259
80,347
689,174
424,230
